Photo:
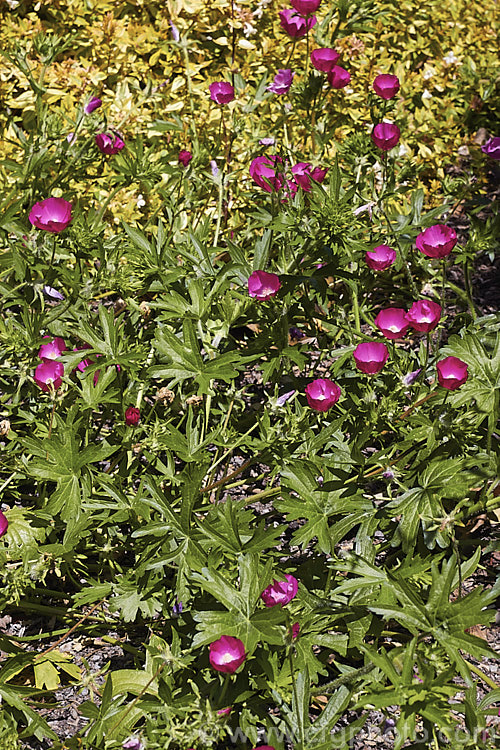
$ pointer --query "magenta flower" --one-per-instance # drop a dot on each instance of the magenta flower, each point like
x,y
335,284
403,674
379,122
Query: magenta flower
x,y
370,357
324,59
4,524
386,85
185,157
264,747
53,349
132,416
295,25
492,148
452,373
424,315
380,258
282,81
48,375
264,172
385,135
224,711
338,77
305,7
92,105
227,654
437,241
280,592
392,322
52,215
262,285
322,394
295,630
221,92
109,143
303,173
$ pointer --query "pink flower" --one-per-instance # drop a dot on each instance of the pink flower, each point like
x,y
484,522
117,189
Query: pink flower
x,y
48,375
392,322
370,357
52,215
322,394
280,592
295,630
437,241
424,315
224,711
132,416
109,143
282,81
133,743
221,92
296,26
264,172
264,747
324,59
227,654
185,157
492,148
92,105
385,135
305,7
452,373
82,366
380,258
338,77
386,85
4,524
53,349
262,285
303,172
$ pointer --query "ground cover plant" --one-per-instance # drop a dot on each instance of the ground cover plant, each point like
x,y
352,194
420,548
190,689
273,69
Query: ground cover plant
x,y
250,375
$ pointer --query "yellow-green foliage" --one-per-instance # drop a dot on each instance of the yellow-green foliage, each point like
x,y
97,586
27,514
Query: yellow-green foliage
x,y
445,54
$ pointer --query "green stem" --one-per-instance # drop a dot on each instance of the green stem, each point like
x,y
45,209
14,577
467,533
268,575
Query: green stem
x,y
219,208
344,679
402,252
190,92
265,493
141,389
295,696
468,289
483,676
355,309
443,290
106,204
227,679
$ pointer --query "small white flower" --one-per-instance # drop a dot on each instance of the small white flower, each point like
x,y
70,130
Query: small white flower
x,y
140,201
13,4
427,94
248,29
428,73
403,150
450,59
